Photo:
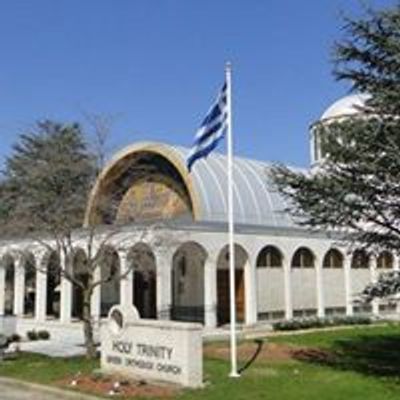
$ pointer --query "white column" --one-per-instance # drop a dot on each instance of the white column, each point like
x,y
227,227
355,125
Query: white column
x,y
126,292
320,288
65,300
66,293
374,277
396,260
396,267
19,283
41,294
96,296
210,292
163,284
287,288
250,291
2,289
348,285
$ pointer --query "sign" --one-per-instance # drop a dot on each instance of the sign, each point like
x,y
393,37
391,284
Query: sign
x,y
149,349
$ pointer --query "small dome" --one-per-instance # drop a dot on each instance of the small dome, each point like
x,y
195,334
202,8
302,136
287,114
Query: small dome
x,y
345,106
342,108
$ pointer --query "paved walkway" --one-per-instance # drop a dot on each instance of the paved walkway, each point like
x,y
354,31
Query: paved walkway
x,y
54,347
9,393
11,389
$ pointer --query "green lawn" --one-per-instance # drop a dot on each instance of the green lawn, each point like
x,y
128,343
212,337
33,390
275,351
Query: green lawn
x,y
46,370
331,338
366,366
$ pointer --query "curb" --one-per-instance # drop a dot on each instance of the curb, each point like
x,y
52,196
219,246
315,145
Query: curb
x,y
43,390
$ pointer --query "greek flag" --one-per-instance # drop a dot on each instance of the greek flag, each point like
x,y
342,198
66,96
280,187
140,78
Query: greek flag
x,y
212,129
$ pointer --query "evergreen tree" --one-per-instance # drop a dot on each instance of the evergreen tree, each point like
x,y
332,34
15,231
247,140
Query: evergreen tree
x,y
355,189
47,180
43,195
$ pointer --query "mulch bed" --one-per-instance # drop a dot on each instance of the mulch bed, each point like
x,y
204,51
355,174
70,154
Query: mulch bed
x,y
99,384
271,352
105,385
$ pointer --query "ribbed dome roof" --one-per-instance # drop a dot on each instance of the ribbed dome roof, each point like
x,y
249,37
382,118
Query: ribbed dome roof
x,y
345,106
255,199
256,202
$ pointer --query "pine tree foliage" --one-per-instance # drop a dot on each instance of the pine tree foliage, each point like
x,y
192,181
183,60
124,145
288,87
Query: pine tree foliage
x,y
369,58
387,286
355,189
47,180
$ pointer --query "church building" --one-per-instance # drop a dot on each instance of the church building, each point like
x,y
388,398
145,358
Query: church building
x,y
283,270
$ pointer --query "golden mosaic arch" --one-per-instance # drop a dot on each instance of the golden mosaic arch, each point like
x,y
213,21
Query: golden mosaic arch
x,y
151,199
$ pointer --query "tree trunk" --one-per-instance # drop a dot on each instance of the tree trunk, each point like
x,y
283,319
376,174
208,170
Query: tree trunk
x,y
88,326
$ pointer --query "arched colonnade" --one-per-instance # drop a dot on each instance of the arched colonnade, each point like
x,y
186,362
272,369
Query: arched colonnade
x,y
189,281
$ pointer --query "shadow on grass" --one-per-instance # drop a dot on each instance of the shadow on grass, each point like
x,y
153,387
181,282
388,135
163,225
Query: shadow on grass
x,y
253,358
371,355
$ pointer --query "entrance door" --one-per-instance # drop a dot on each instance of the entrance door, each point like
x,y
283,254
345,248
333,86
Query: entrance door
x,y
223,296
144,293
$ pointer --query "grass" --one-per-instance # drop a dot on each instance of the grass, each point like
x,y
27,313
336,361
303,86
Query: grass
x,y
45,370
330,338
292,382
367,367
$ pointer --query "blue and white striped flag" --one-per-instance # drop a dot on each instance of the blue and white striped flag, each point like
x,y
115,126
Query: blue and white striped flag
x,y
212,129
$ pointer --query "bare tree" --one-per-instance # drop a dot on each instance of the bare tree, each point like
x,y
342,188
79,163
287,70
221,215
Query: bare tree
x,y
47,183
98,268
100,127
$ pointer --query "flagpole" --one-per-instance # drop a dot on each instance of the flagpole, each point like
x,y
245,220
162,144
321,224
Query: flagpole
x,y
232,295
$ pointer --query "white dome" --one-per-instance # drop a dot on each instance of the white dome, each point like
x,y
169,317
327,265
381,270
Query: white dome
x,y
345,106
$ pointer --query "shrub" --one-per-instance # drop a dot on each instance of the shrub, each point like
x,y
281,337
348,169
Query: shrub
x,y
44,335
32,335
314,322
14,338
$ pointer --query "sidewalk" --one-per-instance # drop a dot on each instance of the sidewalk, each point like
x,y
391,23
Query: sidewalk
x,y
12,389
54,347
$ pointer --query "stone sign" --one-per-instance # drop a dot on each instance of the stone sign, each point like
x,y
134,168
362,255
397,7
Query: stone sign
x,y
149,349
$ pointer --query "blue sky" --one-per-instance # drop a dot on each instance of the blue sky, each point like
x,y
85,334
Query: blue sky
x,y
155,65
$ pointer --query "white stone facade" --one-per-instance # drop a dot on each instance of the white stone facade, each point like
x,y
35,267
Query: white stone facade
x,y
268,292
